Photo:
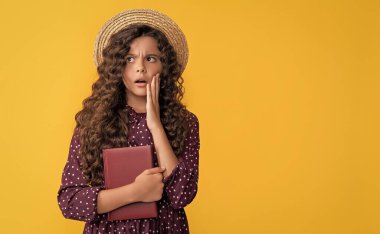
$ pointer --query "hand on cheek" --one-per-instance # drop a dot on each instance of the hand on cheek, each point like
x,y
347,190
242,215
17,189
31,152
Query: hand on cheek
x,y
152,104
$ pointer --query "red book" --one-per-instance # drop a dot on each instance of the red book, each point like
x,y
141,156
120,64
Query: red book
x,y
121,167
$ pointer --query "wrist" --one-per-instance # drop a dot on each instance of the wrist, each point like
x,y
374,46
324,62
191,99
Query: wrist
x,y
157,130
132,190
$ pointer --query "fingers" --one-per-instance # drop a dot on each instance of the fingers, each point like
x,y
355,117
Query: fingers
x,y
148,93
155,170
152,94
157,86
153,89
158,93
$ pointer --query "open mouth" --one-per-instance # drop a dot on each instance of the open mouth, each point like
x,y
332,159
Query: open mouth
x,y
140,83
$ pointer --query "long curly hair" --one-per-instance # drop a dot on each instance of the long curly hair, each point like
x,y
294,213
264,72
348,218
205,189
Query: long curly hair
x,y
103,121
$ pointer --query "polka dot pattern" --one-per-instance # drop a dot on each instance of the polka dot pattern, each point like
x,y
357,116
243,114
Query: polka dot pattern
x,y
77,200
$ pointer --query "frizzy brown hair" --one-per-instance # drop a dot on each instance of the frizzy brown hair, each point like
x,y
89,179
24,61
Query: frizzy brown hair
x,y
102,123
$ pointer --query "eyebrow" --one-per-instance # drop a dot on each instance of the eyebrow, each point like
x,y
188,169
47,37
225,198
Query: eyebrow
x,y
146,55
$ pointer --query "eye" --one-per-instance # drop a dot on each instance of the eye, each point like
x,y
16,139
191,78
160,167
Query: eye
x,y
151,59
129,59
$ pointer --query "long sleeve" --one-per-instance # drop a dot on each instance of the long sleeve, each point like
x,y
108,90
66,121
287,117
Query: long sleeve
x,y
76,199
181,185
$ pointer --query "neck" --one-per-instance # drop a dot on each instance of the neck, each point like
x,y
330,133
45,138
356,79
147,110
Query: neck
x,y
138,103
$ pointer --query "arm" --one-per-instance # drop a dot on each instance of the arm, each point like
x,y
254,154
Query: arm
x,y
181,183
78,201
165,154
111,199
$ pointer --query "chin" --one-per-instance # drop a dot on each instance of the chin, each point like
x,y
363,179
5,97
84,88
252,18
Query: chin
x,y
141,93
137,92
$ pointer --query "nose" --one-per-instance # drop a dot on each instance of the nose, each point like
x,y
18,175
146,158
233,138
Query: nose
x,y
140,66
140,69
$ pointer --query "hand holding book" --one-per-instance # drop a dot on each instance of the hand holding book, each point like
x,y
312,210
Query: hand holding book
x,y
149,185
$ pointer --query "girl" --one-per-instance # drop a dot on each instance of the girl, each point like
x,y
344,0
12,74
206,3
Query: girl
x,y
135,101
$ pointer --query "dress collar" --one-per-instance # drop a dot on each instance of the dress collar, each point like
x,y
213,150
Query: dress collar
x,y
134,116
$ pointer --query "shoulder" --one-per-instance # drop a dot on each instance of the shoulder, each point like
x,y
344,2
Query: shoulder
x,y
192,135
192,119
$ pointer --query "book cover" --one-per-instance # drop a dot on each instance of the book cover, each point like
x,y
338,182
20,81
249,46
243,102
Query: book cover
x,y
121,167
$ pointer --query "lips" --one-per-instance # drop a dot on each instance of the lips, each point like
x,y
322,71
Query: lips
x,y
141,83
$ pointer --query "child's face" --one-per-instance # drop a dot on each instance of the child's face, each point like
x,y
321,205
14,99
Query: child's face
x,y
143,62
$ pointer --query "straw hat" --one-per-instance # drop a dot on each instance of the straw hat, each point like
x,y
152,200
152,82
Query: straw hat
x,y
149,17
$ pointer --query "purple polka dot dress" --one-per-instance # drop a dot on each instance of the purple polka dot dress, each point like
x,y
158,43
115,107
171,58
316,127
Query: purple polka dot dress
x,y
77,200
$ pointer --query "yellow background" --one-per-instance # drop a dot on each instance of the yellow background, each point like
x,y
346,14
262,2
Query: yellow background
x,y
286,92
